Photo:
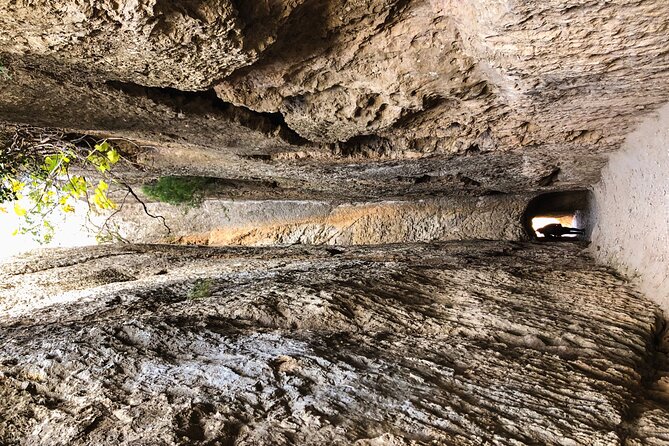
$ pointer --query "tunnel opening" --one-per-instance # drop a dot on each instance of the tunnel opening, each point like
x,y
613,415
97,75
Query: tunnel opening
x,y
558,216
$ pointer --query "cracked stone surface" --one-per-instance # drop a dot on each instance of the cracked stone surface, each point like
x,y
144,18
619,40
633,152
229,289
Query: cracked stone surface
x,y
151,42
458,343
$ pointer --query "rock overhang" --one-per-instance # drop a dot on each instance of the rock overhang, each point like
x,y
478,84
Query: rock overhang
x,y
548,85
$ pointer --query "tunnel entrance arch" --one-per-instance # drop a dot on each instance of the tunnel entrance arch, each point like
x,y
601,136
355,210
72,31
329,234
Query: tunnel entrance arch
x,y
568,208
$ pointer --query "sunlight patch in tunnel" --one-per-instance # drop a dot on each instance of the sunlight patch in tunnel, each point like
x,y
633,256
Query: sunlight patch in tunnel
x,y
565,220
567,208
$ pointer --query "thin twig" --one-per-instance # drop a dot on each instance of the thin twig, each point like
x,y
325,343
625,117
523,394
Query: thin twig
x,y
146,210
105,227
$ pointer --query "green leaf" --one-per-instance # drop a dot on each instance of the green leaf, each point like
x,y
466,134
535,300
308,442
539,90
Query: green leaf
x,y
17,186
102,147
103,186
56,164
19,210
50,163
76,187
100,197
100,162
113,156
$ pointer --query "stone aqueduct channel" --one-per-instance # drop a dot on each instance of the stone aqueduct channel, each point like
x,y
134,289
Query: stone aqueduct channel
x,y
362,273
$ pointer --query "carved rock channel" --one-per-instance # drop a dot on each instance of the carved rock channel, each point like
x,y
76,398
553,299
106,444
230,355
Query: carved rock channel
x,y
410,138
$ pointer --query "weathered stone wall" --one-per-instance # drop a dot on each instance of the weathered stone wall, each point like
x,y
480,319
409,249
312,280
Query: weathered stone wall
x,y
150,42
368,102
270,223
631,208
459,343
357,99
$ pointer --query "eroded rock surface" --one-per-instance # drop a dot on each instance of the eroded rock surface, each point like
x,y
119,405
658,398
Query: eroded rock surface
x,y
271,223
150,42
443,108
346,98
464,343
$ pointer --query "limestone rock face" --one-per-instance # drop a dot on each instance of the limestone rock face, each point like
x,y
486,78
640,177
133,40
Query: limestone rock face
x,y
287,222
372,63
631,205
339,123
327,94
444,75
150,42
417,344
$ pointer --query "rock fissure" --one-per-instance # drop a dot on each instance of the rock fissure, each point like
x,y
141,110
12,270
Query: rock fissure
x,y
650,398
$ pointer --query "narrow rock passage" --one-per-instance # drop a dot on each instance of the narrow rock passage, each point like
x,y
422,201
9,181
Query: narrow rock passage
x,y
456,343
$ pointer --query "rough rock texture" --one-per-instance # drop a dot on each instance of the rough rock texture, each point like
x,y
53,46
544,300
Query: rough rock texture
x,y
434,69
631,209
458,109
271,223
354,99
150,42
466,343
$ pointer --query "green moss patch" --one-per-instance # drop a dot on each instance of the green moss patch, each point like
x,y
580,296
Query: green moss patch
x,y
179,190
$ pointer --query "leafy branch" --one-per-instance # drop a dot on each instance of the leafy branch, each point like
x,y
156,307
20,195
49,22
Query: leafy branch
x,y
51,170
